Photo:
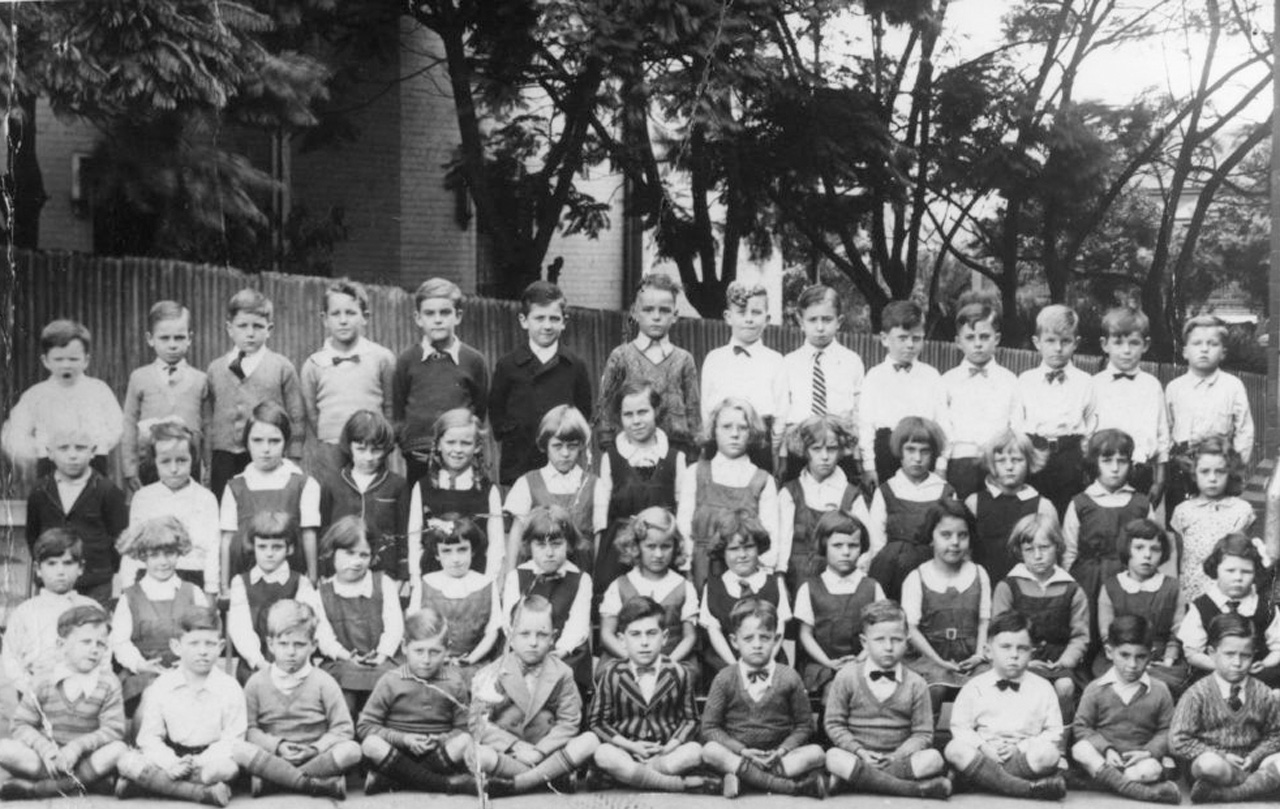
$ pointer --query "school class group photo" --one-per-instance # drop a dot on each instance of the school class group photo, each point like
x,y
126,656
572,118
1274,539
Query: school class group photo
x,y
785,574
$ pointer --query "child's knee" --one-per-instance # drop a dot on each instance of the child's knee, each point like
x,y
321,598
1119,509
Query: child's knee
x,y
130,763
108,756
457,746
926,763
217,769
1272,762
1084,750
610,757
1064,687
1041,756
375,748
1147,771
959,754
581,747
838,760
346,754
1211,766
11,752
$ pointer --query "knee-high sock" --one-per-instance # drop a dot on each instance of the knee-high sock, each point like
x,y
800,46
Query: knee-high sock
x,y
272,768
645,776
549,769
754,776
990,775
507,767
1260,784
866,778
153,779
1160,792
409,773
322,766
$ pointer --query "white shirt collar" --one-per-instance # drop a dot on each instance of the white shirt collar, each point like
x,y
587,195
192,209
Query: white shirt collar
x,y
1126,691
1248,604
466,479
836,480
328,350
574,475
355,589
1059,575
628,449
645,343
75,684
1096,490
1027,491
288,682
1131,585
1224,687
1111,370
454,350
278,576
931,480
832,579
544,355
757,580
567,567
1205,381
157,590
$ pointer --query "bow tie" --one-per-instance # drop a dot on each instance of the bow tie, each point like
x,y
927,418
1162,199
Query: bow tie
x,y
740,350
1123,375
1056,375
643,670
976,371
1008,685
351,358
559,574
902,366
757,676
891,676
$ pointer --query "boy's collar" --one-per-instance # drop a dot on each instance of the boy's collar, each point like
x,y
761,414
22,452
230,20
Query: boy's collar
x,y
453,349
61,479
1209,379
543,354
235,352
1025,492
1112,677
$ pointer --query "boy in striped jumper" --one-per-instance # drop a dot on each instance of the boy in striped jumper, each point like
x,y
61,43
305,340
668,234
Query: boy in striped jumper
x,y
879,717
68,731
1226,727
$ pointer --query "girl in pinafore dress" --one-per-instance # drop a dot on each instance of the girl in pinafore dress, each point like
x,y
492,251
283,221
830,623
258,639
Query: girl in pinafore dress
x,y
269,483
723,482
901,504
948,605
638,471
361,625
467,600
456,483
820,487
1213,513
1005,498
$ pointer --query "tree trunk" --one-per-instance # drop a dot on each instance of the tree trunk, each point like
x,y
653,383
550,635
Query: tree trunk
x,y
29,195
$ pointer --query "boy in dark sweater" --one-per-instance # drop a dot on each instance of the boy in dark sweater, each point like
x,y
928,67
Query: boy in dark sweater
x,y
879,717
1226,727
68,731
757,721
1122,723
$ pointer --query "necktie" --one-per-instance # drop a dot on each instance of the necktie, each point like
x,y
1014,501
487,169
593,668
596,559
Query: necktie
x,y
453,480
757,676
237,365
171,372
891,676
739,350
352,358
1123,375
902,367
1056,375
819,386
1233,606
744,588
976,371
1008,685
1233,702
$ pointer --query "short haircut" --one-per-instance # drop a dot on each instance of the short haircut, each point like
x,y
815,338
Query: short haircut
x,y
1057,319
273,525
660,282
1008,440
919,430
755,424
637,609
976,306
173,431
655,519
881,611
352,289
1141,528
839,522
167,310
542,293
453,529
566,423
437,288
554,522
754,607
1033,527
1219,446
535,605
62,333
1233,544
165,533
1205,322
815,294
424,624
818,430
367,427
1104,443
1129,629
1229,625
199,619
268,412
633,387
287,615
346,534
54,542
740,293
250,301
901,315
73,618
1123,320
946,508
740,523
1010,621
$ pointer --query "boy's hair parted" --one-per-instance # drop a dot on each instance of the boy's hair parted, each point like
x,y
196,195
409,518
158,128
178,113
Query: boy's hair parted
x,y
1233,544
1129,629
452,528
199,619
901,315
1033,527
251,302
1205,322
753,607
817,430
739,523
660,282
542,293
62,333
836,521
167,310
740,293
655,519
919,430
272,525
976,306
54,542
636,386
1009,621
1106,442
73,618
1229,625
815,294
1057,319
424,624
268,413
1221,447
1011,440
1122,320
566,423
1142,528
352,289
947,507
367,427
637,609
437,288
173,431
166,533
881,611
346,533
288,615
755,424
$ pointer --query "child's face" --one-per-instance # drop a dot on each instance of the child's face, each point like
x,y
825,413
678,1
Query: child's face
x,y
266,446
197,650
823,458
643,640
171,339
885,643
344,320
439,319
1055,349
549,553
742,556
425,657
1232,658
1204,350
367,458
978,341
654,312
917,460
820,322
173,462
843,551
563,453
902,344
1212,476
1040,556
1009,653
1113,470
457,448
66,363
951,541
1129,659
1125,351
269,553
733,432
71,452
85,647
754,642
545,323
291,650
639,419
350,564
1235,577
1145,556
161,563
248,332
747,322
58,574
454,558
532,637
657,549
1009,469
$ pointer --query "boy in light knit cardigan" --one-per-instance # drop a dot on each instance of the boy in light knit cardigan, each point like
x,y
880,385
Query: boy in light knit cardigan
x,y
879,717
1226,727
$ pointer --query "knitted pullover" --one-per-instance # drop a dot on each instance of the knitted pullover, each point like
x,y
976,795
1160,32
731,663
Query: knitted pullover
x,y
781,720
274,379
1104,720
402,704
423,389
1204,723
856,718
314,713
676,381
84,725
